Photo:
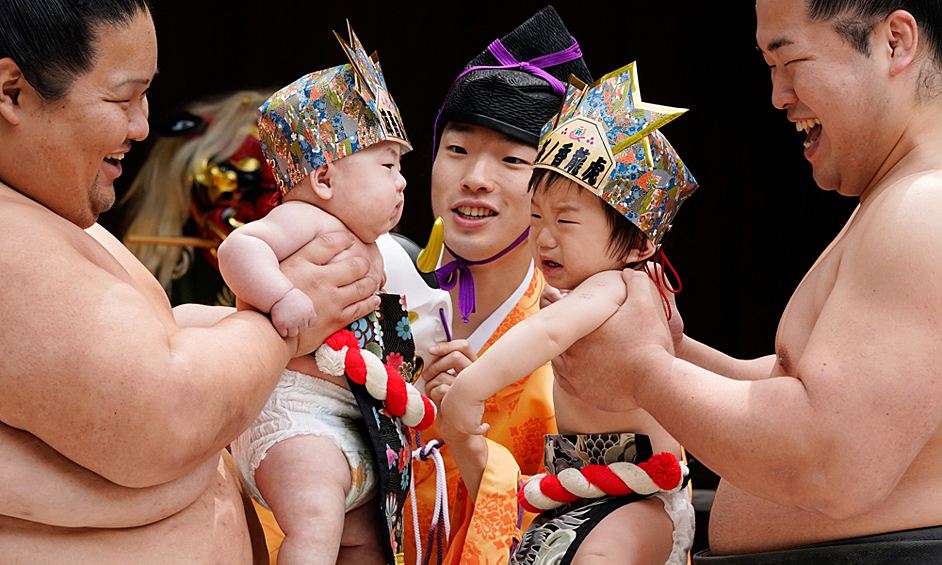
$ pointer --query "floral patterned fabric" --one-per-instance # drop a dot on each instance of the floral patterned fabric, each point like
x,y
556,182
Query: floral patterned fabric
x,y
556,534
386,333
484,530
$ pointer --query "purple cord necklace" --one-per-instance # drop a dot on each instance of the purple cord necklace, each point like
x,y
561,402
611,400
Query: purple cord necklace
x,y
458,272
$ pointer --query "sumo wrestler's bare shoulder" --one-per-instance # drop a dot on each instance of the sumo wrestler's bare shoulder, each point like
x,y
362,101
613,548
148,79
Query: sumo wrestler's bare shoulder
x,y
35,239
896,232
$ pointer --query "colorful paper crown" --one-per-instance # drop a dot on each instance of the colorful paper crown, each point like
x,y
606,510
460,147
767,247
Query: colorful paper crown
x,y
328,115
607,140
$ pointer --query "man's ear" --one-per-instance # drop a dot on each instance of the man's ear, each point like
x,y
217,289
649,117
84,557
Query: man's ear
x,y
320,181
642,253
898,37
11,83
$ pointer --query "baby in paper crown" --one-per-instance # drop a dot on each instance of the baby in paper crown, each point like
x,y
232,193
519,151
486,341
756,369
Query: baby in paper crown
x,y
606,185
334,140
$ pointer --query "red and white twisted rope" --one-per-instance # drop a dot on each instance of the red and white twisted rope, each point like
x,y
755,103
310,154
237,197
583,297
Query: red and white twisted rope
x,y
341,354
661,473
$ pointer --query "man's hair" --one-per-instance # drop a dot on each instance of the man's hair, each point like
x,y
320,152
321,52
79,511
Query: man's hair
x,y
623,236
52,41
855,20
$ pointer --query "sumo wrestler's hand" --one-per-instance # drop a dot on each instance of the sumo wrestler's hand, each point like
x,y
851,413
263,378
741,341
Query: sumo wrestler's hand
x,y
635,343
676,322
337,272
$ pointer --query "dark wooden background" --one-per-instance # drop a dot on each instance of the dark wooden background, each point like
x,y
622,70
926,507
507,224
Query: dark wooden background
x,y
741,243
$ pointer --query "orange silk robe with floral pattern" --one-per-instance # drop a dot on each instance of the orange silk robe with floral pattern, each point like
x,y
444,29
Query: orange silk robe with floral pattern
x,y
483,530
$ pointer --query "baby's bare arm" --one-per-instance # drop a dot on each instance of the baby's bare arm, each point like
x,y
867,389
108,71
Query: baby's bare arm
x,y
249,262
249,257
531,343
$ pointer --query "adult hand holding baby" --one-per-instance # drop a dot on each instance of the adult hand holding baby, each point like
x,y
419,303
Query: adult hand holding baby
x,y
614,357
336,272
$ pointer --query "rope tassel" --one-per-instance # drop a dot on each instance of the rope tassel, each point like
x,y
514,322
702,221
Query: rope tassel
x,y
341,354
440,519
660,473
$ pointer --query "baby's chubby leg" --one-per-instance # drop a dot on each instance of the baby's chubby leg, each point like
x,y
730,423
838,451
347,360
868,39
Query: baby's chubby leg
x,y
362,542
638,533
305,480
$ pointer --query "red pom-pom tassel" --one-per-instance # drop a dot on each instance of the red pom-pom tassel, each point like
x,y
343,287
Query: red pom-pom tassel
x,y
342,338
664,470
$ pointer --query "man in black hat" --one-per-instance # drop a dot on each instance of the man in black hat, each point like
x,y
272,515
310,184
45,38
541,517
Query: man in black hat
x,y
486,136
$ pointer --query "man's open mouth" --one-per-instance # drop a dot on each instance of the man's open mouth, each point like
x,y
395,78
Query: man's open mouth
x,y
114,158
812,129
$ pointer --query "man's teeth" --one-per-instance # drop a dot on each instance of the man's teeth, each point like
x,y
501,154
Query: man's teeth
x,y
474,212
806,125
115,156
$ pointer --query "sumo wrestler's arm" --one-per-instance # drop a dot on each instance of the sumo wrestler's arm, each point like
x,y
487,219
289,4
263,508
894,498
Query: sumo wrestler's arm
x,y
862,374
40,485
96,367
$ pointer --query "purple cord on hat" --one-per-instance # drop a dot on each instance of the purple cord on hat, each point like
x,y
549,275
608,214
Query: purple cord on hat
x,y
508,61
458,272
535,66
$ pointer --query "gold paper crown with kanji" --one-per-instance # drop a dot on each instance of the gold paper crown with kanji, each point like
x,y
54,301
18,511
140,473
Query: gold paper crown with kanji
x,y
327,115
607,140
